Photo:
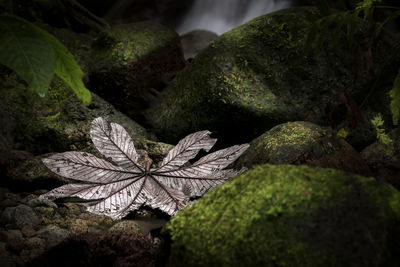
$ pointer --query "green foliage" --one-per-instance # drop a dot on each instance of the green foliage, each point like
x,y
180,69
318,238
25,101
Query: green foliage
x,y
35,55
384,139
24,50
395,103
347,20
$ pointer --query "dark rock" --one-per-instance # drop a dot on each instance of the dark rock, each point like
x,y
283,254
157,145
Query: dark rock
x,y
10,234
129,60
9,159
109,249
385,167
57,122
32,175
53,235
285,215
35,201
28,231
303,143
127,226
15,244
259,75
36,243
78,226
19,217
9,199
195,41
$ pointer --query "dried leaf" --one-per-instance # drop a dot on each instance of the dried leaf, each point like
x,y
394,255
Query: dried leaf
x,y
115,190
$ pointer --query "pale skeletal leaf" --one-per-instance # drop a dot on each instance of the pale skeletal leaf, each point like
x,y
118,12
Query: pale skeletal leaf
x,y
206,173
86,167
117,190
114,142
187,149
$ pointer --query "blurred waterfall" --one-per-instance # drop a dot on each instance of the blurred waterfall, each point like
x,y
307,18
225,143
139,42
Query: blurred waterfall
x,y
220,16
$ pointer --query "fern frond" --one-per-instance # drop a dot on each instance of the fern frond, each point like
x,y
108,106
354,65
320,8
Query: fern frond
x,y
384,139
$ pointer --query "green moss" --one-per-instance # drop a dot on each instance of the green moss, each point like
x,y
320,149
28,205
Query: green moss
x,y
288,216
289,134
56,122
124,45
257,76
289,143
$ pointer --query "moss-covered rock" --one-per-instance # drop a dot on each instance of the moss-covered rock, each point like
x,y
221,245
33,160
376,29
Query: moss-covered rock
x,y
303,142
55,123
259,75
195,41
128,60
385,167
285,215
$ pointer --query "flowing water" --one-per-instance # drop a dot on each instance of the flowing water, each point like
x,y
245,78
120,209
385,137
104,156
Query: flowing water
x,y
220,16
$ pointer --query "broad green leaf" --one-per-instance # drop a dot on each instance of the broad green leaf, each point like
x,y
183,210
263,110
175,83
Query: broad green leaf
x,y
395,103
26,51
68,69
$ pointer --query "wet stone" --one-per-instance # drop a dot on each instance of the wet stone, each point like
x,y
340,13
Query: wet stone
x,y
25,216
53,235
10,234
7,215
15,244
28,231
73,209
78,226
39,202
35,243
28,198
44,211
127,226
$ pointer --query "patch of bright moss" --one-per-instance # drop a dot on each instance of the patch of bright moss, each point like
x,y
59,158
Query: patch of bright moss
x,y
286,144
126,44
283,215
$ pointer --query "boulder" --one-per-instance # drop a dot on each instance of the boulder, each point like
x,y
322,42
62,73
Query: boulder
x,y
285,215
386,167
36,233
57,122
303,142
195,41
128,60
259,75
116,248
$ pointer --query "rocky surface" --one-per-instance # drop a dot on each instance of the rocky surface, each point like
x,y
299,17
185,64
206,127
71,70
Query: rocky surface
x,y
247,83
303,143
259,75
284,215
195,41
37,232
385,167
127,61
57,122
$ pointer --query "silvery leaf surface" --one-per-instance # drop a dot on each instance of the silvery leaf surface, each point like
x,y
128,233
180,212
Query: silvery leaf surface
x,y
204,174
187,149
114,142
86,167
115,190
